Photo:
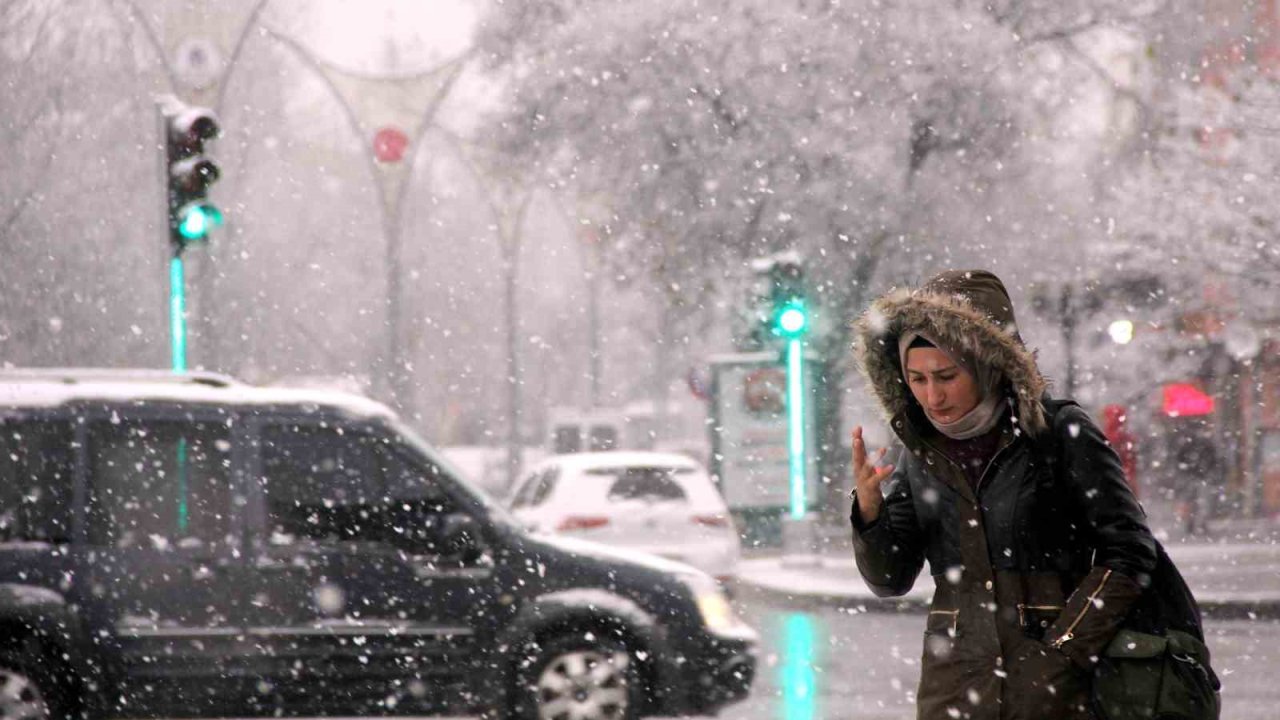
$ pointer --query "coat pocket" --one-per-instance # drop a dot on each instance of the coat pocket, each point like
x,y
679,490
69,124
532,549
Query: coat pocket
x,y
946,676
1036,619
1044,683
940,633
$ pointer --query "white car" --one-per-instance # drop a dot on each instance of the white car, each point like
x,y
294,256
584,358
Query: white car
x,y
660,503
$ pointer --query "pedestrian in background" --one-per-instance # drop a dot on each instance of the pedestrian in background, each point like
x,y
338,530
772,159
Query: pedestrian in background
x,y
1115,427
1033,576
1197,476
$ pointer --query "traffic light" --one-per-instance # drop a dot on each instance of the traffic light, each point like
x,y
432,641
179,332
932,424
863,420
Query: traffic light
x,y
189,171
789,318
776,306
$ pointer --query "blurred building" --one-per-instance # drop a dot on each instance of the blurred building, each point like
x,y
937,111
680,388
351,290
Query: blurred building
x,y
1229,399
1259,452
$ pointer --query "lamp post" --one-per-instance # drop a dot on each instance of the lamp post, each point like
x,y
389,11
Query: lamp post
x,y
1065,303
394,112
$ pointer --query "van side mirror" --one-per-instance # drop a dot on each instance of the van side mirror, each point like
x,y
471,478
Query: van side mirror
x,y
423,527
459,535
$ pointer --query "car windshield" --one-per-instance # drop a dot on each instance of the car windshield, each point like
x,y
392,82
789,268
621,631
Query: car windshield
x,y
651,484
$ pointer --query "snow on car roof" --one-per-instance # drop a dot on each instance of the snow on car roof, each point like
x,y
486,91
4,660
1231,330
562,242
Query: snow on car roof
x,y
578,483
54,387
621,458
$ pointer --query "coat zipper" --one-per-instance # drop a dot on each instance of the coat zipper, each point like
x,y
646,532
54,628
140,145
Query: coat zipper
x,y
982,478
956,465
1070,633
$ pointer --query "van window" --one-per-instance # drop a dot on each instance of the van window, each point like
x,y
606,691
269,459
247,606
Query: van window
x,y
159,483
603,437
410,480
320,482
36,461
566,439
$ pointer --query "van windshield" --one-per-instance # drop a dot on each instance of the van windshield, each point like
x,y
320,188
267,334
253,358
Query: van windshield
x,y
461,481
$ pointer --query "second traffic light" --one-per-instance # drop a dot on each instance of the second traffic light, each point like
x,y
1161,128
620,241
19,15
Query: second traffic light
x,y
791,319
789,314
189,172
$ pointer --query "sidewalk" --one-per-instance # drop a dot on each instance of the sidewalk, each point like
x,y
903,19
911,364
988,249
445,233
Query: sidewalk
x,y
1239,578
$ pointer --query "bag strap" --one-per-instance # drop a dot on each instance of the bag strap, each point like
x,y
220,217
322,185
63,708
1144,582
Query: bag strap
x,y
1047,441
1048,451
1167,603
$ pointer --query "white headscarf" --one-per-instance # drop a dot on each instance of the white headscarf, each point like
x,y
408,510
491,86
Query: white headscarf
x,y
986,413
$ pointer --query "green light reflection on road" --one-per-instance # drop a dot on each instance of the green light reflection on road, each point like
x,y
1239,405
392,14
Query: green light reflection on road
x,y
799,681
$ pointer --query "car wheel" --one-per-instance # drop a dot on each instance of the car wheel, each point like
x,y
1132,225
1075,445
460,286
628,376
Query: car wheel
x,y
580,677
24,694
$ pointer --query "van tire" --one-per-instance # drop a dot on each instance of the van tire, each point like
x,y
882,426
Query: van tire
x,y
30,680
596,674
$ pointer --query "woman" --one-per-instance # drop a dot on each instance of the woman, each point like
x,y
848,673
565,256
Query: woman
x,y
1036,545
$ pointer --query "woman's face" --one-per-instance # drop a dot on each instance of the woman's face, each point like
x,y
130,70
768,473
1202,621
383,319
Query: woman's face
x,y
946,391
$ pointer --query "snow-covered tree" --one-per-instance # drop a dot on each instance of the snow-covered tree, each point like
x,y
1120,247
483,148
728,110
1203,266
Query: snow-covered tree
x,y
872,138
1201,202
76,273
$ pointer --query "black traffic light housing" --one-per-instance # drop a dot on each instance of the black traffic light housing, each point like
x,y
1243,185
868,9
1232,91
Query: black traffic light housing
x,y
788,300
189,172
777,307
790,314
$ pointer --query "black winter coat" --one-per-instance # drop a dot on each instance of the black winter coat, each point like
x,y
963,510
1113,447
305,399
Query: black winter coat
x,y
1035,570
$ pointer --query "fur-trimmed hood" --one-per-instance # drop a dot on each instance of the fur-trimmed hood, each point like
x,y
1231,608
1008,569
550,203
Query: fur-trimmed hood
x,y
968,310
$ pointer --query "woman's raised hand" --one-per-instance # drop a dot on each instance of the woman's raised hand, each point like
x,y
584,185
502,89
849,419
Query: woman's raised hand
x,y
867,477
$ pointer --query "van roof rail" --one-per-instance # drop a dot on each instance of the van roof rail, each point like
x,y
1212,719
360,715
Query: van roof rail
x,y
72,376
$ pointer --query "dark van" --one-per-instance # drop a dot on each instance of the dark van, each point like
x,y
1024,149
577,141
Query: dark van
x,y
188,545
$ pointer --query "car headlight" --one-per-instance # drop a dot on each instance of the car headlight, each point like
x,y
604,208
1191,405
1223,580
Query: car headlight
x,y
717,614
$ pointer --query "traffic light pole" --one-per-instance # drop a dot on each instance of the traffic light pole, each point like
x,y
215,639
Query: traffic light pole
x,y
178,312
795,428
799,530
799,534
186,174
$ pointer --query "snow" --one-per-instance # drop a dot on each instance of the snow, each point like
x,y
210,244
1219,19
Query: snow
x,y
597,599
661,149
51,389
586,479
485,467
20,595
836,578
1230,574
581,462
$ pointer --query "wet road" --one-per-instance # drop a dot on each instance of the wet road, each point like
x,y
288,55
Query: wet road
x,y
831,664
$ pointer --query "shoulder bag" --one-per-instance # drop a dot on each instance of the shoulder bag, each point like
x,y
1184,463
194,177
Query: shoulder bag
x,y
1157,665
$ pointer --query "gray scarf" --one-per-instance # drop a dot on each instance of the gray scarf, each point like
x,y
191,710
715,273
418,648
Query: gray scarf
x,y
986,413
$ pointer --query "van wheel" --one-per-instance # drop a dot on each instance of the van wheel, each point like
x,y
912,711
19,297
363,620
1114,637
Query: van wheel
x,y
579,677
25,691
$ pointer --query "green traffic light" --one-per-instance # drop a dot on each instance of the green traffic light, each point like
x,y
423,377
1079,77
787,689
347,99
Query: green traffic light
x,y
197,219
792,320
